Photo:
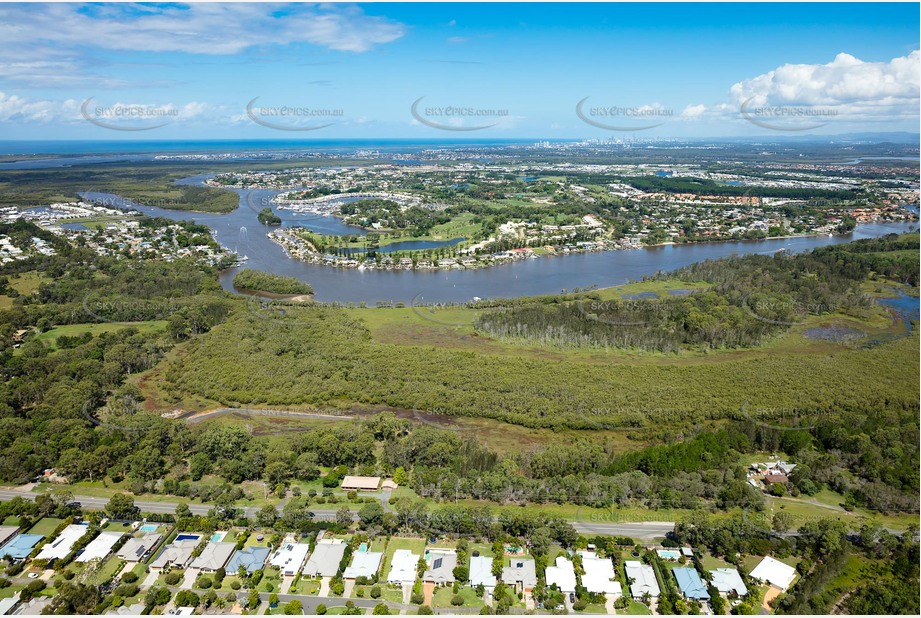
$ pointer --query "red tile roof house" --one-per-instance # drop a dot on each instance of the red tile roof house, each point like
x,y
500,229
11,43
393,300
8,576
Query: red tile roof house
x,y
771,479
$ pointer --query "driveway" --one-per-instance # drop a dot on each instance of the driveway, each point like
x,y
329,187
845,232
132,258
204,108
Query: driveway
x,y
609,600
428,590
285,585
407,593
349,586
324,587
188,580
529,601
150,580
771,594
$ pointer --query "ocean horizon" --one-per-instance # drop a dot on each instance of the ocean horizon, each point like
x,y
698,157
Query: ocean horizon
x,y
64,147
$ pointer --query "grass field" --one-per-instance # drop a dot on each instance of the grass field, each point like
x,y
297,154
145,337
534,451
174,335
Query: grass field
x,y
25,283
70,330
452,327
107,571
711,562
461,226
443,595
636,609
45,526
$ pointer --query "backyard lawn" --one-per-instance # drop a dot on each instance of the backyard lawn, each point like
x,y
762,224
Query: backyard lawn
x,y
710,562
484,549
106,572
45,526
416,546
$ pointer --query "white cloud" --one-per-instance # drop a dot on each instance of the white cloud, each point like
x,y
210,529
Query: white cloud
x,y
850,87
693,111
846,93
20,110
206,28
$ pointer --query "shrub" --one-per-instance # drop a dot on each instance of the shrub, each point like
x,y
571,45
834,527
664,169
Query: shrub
x,y
235,585
457,600
128,578
417,598
126,590
381,610
172,578
375,592
203,582
425,610
187,598
321,609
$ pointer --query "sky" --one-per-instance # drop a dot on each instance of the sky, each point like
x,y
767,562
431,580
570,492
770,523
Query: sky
x,y
450,70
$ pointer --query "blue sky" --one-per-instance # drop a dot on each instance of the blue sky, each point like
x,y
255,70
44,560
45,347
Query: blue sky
x,y
513,70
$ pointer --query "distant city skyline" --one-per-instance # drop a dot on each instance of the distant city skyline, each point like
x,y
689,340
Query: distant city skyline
x,y
456,71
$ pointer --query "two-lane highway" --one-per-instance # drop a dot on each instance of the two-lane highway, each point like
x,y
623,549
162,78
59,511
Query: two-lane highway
x,y
638,530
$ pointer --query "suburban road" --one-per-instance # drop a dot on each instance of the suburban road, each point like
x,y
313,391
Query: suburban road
x,y
637,530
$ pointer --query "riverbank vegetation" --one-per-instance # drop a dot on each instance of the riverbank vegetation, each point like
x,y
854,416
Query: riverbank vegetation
x,y
260,281
752,298
268,217
144,184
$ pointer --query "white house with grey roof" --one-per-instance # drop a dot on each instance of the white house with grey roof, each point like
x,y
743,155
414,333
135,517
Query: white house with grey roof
x,y
403,567
774,572
7,533
136,549
642,578
176,554
521,574
100,547
364,564
441,563
599,576
214,556
325,559
562,574
481,573
289,558
728,581
63,543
